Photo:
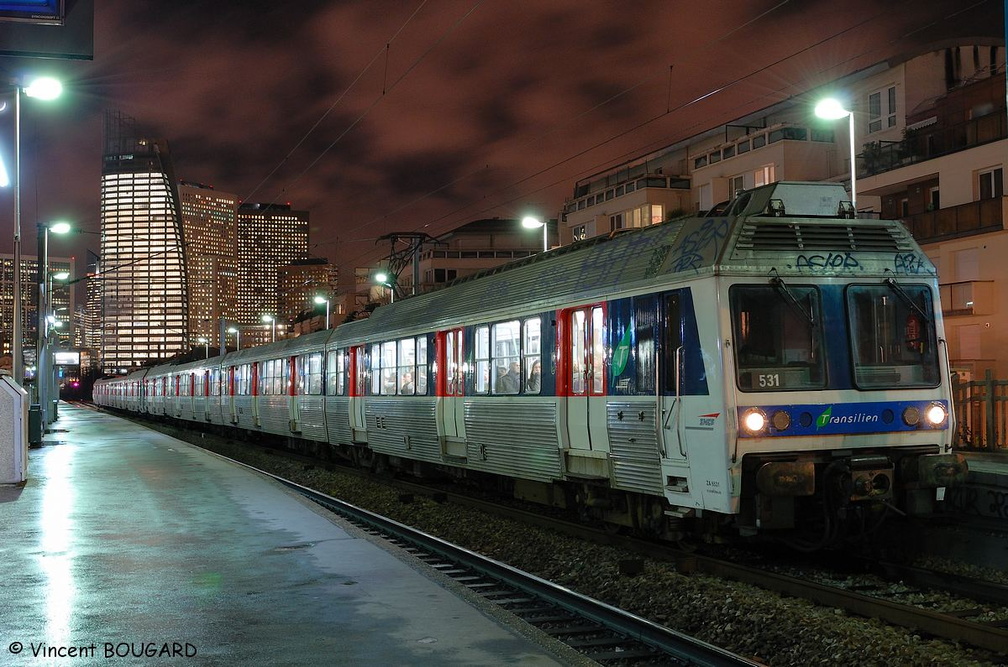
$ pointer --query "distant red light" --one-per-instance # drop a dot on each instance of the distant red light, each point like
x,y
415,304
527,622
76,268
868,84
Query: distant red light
x,y
75,384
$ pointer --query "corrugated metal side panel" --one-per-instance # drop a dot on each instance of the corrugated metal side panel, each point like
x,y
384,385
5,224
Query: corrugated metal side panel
x,y
337,414
513,437
633,443
274,414
243,411
217,409
199,409
407,427
311,417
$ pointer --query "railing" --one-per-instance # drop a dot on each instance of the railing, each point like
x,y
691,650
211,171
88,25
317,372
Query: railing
x,y
967,219
981,408
877,157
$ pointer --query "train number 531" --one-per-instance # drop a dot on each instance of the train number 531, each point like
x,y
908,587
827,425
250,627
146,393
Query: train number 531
x,y
769,380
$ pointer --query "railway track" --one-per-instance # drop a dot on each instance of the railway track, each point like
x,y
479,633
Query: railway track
x,y
960,626
600,632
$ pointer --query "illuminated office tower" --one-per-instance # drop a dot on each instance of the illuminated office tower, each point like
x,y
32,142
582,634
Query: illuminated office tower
x,y
90,317
143,274
61,305
269,236
209,226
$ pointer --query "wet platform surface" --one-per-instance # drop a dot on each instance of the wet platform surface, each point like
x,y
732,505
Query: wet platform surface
x,y
125,541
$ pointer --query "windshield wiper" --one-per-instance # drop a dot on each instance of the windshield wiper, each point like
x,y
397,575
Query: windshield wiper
x,y
905,298
789,297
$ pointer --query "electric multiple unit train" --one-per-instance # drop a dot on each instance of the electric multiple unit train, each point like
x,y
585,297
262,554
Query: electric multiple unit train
x,y
777,368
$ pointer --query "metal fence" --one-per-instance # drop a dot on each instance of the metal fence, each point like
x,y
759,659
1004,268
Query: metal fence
x,y
981,407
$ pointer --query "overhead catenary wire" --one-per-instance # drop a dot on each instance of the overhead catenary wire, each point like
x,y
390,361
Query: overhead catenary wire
x,y
497,204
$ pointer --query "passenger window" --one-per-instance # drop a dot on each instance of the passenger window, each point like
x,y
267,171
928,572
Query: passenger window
x,y
506,355
389,385
407,366
421,365
335,373
482,358
578,356
376,370
532,355
598,352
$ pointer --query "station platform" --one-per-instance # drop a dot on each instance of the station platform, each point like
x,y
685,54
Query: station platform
x,y
985,493
128,546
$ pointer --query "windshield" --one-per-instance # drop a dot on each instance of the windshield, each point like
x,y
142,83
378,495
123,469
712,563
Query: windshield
x,y
778,345
893,336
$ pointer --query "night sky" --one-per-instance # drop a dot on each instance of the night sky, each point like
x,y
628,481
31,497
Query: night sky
x,y
422,116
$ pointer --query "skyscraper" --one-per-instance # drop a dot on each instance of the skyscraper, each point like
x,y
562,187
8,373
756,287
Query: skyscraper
x,y
269,236
61,303
143,274
209,226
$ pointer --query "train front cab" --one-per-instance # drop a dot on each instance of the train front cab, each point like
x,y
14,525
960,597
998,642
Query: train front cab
x,y
843,402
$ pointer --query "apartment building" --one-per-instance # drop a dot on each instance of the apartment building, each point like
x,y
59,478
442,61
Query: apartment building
x,y
930,140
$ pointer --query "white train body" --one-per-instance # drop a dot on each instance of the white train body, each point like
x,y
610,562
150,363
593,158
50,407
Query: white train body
x,y
778,367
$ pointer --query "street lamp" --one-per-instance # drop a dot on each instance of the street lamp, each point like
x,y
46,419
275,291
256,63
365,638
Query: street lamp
x,y
237,333
42,88
386,280
271,320
206,346
832,109
320,300
532,222
41,330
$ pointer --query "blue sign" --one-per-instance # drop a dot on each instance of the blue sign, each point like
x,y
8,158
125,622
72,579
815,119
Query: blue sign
x,y
846,418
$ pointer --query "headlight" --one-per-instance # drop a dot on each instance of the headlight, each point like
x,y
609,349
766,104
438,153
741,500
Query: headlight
x,y
911,416
754,421
936,414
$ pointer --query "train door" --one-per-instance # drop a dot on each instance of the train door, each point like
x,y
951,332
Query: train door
x,y
358,392
292,402
255,393
176,402
229,407
670,378
450,392
583,376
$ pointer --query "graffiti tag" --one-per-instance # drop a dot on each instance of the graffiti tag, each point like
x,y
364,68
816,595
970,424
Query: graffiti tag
x,y
832,262
908,264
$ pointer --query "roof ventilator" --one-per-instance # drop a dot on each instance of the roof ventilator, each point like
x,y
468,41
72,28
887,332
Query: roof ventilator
x,y
846,210
776,208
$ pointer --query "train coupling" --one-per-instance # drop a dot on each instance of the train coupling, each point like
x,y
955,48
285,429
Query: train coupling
x,y
871,478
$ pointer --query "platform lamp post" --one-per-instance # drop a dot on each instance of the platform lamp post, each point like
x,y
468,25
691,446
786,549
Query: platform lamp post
x,y
206,346
50,378
320,300
832,109
42,333
532,222
269,319
237,332
42,88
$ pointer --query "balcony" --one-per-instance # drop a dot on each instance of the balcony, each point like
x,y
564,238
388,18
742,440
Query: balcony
x,y
972,297
976,217
929,142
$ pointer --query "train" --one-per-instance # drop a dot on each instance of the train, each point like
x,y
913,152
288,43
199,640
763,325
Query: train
x,y
775,368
